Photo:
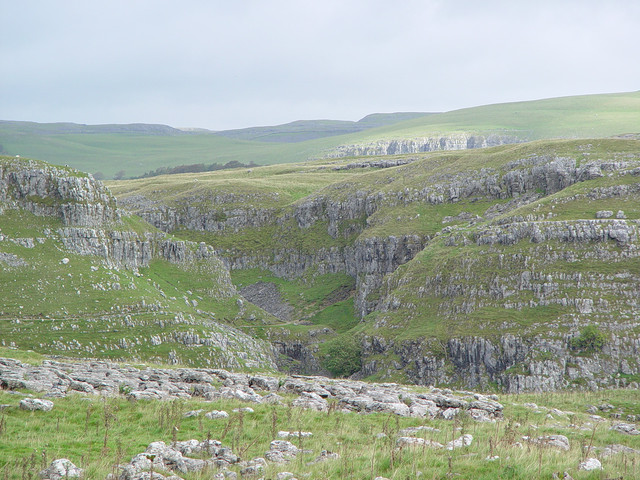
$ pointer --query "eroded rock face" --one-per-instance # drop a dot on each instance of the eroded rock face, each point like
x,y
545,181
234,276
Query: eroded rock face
x,y
47,190
369,258
428,144
513,362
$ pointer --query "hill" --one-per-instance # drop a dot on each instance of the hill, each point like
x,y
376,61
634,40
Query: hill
x,y
81,278
512,266
134,150
303,130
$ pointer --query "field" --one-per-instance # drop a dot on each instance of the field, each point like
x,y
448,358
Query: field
x,y
98,433
137,152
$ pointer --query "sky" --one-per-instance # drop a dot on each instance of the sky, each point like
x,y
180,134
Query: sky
x,y
240,63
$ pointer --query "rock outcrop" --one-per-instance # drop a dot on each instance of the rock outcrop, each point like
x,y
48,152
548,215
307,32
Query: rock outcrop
x,y
461,141
60,192
103,378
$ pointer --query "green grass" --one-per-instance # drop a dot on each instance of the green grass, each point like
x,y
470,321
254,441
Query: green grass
x,y
586,116
89,307
98,433
569,117
316,299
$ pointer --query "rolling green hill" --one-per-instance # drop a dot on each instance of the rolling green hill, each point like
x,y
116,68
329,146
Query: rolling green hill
x,y
137,149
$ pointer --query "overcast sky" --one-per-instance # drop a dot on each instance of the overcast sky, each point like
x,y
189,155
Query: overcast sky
x,y
235,63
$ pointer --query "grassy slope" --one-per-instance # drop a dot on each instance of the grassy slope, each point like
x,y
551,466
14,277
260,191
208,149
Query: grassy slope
x,y
585,116
57,302
97,433
580,116
87,307
473,268
421,314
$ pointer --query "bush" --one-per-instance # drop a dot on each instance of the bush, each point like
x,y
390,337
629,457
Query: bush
x,y
342,356
590,340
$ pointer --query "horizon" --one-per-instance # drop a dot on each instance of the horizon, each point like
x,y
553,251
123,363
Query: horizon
x,y
196,127
222,66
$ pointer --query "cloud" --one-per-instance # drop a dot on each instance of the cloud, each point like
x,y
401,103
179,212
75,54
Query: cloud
x,y
230,64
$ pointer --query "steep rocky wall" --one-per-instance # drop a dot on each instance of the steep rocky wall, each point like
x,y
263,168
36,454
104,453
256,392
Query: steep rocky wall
x,y
345,212
426,144
515,363
47,190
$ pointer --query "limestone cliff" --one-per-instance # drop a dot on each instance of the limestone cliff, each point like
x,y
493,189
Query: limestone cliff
x,y
471,267
69,256
460,141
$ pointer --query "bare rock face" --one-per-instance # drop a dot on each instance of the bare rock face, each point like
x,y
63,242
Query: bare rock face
x,y
46,190
428,144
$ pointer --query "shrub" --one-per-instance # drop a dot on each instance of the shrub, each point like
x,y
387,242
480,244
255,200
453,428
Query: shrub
x,y
590,340
342,356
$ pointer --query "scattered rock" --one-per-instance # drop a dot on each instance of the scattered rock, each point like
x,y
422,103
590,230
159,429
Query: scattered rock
x,y
590,464
61,469
626,428
281,451
463,441
36,404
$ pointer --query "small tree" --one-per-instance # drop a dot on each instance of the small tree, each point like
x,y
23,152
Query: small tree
x,y
119,175
590,340
342,356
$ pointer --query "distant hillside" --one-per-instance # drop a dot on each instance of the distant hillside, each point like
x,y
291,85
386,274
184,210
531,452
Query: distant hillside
x,y
303,130
586,116
33,128
131,150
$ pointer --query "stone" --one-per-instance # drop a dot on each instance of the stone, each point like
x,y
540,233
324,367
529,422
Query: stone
x,y
462,441
324,456
554,441
285,476
61,469
216,414
243,410
417,442
626,428
590,464
32,404
285,434
312,401
616,449
604,214
193,413
281,451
